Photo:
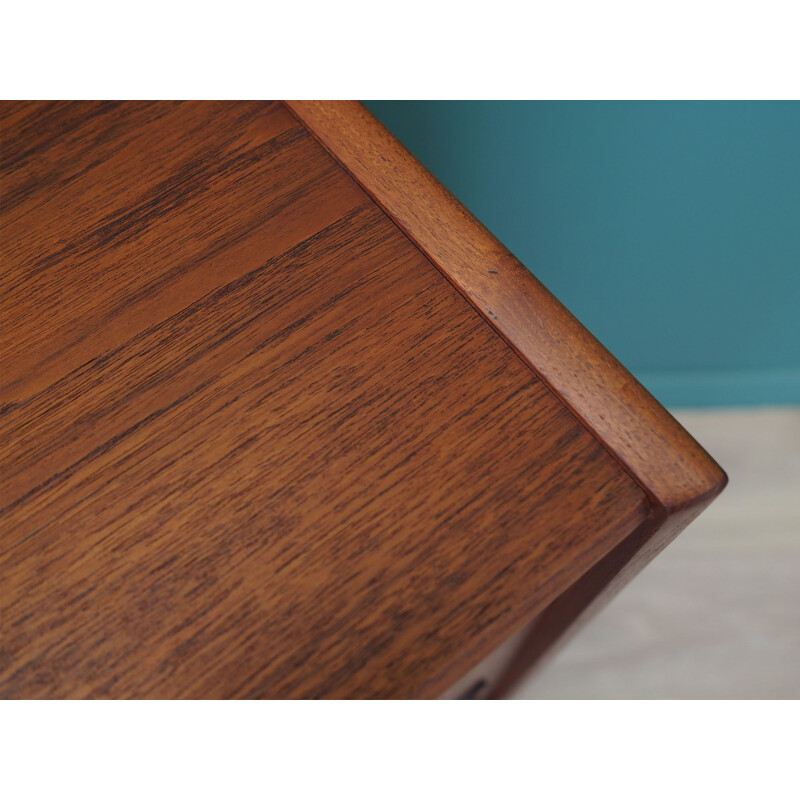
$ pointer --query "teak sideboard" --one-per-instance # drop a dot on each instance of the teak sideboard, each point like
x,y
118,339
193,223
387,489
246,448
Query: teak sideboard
x,y
281,419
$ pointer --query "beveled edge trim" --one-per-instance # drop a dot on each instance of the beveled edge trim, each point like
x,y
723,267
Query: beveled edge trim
x,y
642,435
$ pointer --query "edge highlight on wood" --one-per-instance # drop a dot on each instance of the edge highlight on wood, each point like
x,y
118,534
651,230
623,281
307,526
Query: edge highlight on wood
x,y
678,475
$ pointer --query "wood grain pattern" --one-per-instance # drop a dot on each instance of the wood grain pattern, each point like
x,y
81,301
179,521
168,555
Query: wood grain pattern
x,y
653,446
254,443
679,477
121,208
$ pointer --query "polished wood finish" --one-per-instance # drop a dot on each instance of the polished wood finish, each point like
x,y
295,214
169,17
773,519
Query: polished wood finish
x,y
679,477
647,440
111,211
255,444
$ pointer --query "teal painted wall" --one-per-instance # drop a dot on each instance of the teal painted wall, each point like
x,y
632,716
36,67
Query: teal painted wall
x,y
671,229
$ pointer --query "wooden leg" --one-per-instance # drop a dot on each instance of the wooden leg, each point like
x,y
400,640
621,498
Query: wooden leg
x,y
537,641
554,626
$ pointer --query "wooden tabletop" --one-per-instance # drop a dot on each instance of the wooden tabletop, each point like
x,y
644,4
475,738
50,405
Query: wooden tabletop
x,y
279,419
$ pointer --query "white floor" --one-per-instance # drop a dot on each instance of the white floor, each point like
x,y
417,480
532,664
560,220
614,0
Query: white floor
x,y
717,614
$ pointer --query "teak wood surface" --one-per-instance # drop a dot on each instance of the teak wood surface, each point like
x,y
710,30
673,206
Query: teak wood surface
x,y
280,419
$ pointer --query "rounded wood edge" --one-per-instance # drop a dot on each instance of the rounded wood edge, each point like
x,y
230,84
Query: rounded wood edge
x,y
642,435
